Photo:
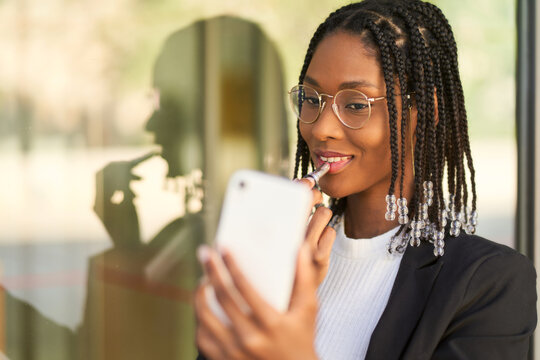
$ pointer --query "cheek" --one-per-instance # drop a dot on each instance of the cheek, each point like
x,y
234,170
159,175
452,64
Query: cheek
x,y
373,144
306,134
304,131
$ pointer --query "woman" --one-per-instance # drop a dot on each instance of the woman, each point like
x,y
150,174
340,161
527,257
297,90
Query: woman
x,y
380,99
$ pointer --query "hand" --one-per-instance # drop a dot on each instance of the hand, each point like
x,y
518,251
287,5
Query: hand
x,y
319,235
116,176
114,201
262,332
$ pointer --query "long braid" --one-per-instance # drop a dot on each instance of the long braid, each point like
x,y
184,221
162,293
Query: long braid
x,y
440,136
299,149
443,30
443,33
430,156
302,151
444,38
438,133
405,103
465,139
458,152
417,63
459,111
449,150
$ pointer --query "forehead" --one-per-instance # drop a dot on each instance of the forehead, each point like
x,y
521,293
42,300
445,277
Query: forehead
x,y
342,58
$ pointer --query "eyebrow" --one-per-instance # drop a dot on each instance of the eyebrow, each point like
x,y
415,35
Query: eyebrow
x,y
345,85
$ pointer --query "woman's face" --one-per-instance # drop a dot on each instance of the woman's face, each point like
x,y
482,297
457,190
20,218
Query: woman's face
x,y
341,61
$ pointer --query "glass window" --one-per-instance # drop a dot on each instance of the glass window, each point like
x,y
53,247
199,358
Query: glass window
x,y
120,123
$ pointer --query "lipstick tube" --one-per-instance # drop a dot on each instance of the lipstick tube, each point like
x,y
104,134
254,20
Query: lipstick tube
x,y
318,173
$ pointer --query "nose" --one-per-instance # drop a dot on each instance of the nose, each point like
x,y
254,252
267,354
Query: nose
x,y
335,109
327,125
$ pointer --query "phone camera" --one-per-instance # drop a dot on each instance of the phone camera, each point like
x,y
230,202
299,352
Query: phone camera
x,y
242,185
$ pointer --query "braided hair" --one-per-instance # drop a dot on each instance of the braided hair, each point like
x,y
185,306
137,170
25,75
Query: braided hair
x,y
414,44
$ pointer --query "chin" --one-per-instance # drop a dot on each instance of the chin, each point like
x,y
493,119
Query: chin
x,y
333,189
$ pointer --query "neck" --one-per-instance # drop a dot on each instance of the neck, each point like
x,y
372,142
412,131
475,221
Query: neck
x,y
364,214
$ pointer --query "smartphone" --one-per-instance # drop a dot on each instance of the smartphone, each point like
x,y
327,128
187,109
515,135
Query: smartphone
x,y
262,224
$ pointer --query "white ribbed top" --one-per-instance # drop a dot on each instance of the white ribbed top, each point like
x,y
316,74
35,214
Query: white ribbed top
x,y
354,294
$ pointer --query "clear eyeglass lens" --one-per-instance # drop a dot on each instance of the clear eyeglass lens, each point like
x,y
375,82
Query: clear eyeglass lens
x,y
305,103
353,106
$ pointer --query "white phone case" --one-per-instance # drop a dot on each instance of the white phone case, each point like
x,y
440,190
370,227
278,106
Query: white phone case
x,y
263,224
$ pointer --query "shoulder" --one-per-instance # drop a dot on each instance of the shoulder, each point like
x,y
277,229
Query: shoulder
x,y
494,290
482,274
472,266
477,254
480,299
465,254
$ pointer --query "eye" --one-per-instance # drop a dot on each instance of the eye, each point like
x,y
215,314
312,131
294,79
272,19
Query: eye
x,y
312,100
356,106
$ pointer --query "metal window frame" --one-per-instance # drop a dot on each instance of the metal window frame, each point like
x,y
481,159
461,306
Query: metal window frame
x,y
526,131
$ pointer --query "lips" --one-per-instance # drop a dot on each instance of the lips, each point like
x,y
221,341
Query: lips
x,y
336,160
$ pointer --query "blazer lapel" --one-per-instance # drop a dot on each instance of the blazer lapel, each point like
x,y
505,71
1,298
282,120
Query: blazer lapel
x,y
417,272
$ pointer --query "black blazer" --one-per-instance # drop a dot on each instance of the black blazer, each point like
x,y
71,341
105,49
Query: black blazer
x,y
478,301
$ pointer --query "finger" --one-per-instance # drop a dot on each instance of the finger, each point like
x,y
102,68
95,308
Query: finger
x,y
262,311
219,278
207,345
217,340
142,158
316,197
324,248
316,226
306,181
202,256
304,291
207,320
226,293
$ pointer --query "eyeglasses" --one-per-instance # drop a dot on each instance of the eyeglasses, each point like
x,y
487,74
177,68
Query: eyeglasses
x,y
352,107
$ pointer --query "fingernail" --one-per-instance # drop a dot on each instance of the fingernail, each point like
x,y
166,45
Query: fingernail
x,y
311,181
224,252
203,253
220,249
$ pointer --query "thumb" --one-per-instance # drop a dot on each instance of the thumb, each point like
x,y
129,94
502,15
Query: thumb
x,y
305,282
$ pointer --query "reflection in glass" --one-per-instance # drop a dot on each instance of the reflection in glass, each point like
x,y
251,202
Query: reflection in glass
x,y
219,107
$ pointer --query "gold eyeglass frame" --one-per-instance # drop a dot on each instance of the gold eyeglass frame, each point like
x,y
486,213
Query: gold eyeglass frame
x,y
335,107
